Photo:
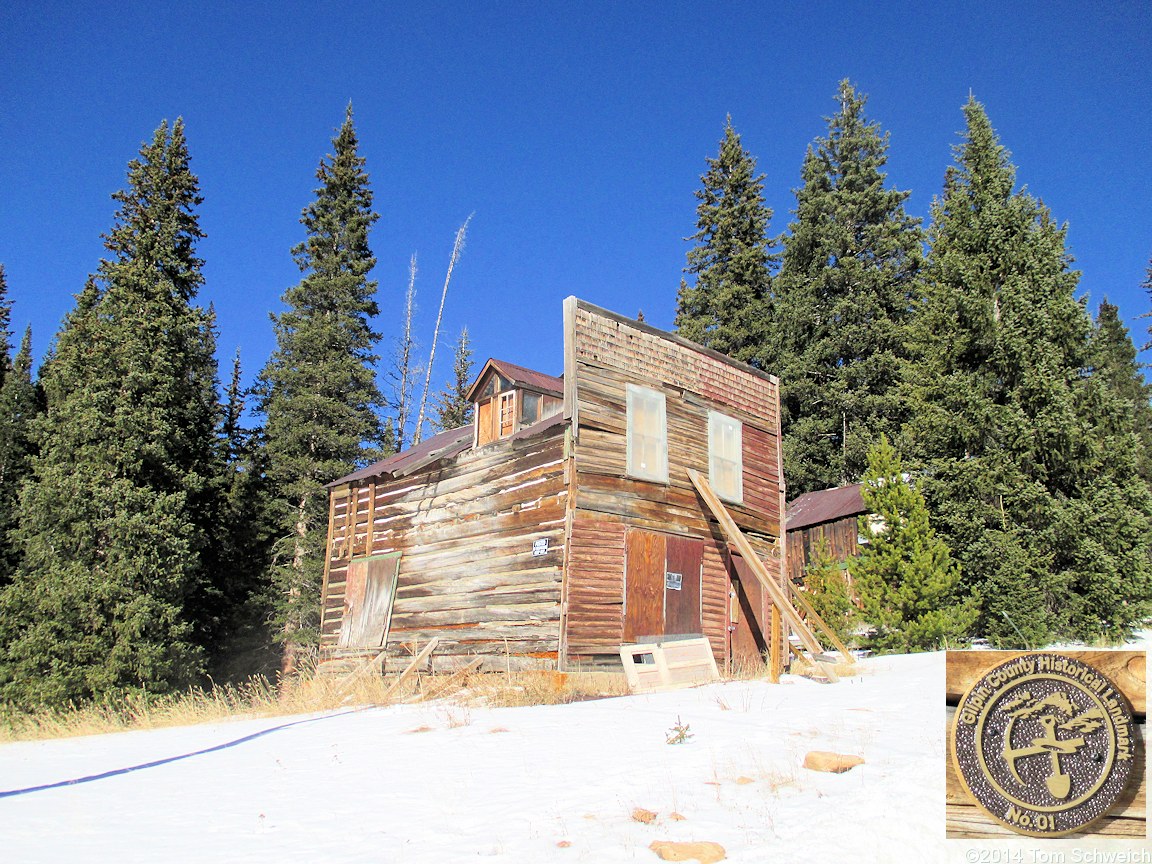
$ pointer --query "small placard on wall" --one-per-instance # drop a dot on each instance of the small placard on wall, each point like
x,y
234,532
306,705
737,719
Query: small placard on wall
x,y
674,581
539,547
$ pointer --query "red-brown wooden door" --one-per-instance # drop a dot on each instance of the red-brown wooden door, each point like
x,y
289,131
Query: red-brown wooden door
x,y
662,584
683,561
750,635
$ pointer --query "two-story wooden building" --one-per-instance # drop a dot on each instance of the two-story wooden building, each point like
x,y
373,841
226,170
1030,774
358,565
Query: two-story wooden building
x,y
562,522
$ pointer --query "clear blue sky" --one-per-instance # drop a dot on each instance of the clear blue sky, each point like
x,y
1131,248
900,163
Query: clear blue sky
x,y
576,132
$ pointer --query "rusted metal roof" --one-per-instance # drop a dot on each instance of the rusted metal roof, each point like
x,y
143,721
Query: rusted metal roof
x,y
827,505
440,446
520,376
443,445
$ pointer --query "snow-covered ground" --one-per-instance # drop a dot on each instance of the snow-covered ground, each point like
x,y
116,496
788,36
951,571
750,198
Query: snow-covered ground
x,y
438,783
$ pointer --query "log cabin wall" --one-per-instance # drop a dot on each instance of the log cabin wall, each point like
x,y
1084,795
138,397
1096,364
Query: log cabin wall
x,y
604,353
465,529
842,536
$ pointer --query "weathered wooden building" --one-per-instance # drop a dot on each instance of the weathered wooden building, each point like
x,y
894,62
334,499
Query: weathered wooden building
x,y
829,515
563,522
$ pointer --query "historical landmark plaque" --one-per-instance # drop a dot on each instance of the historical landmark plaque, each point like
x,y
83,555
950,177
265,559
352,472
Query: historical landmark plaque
x,y
1044,744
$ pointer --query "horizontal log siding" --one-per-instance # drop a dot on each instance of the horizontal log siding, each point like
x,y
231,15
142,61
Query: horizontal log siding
x,y
595,590
605,357
467,575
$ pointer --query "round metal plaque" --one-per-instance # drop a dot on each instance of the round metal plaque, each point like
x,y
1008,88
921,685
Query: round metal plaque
x,y
1044,744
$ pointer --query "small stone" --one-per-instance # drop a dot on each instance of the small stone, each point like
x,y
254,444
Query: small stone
x,y
564,844
642,815
834,763
705,852
677,817
744,781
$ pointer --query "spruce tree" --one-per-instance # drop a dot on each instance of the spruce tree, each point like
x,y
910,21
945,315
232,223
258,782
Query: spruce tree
x,y
905,574
19,405
1113,359
113,521
1010,425
726,305
843,300
827,586
239,607
318,391
452,406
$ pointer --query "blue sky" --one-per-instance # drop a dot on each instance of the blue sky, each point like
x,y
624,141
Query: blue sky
x,y
576,133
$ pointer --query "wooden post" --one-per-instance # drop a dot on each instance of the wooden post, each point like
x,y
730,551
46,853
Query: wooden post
x,y
775,657
779,596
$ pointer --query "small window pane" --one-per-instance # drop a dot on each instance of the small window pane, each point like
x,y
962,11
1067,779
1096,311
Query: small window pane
x,y
529,407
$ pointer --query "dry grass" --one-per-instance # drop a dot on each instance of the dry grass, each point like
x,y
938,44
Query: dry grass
x,y
306,694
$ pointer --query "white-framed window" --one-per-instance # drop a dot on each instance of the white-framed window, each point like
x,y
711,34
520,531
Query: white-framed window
x,y
647,434
725,456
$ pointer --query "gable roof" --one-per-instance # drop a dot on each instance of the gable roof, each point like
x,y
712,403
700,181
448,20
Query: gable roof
x,y
520,376
827,505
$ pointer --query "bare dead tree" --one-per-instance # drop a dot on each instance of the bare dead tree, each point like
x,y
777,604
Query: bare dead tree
x,y
457,248
405,373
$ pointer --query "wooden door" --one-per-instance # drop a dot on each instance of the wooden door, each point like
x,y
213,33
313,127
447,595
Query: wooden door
x,y
684,558
662,585
643,584
749,614
368,597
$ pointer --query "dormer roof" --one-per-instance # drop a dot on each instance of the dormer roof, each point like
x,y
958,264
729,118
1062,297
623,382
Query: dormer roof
x,y
520,377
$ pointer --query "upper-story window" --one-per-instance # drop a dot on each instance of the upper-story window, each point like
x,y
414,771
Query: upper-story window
x,y
647,434
725,456
509,398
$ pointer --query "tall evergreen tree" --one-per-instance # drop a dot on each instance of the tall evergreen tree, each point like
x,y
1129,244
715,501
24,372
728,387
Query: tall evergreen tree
x,y
1113,359
19,405
238,607
113,522
1010,427
318,391
452,406
843,300
726,305
905,574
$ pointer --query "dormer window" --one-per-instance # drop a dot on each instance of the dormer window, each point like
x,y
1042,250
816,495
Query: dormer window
x,y
509,398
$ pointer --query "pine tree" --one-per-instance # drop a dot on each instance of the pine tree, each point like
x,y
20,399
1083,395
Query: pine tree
x,y
726,306
824,579
905,574
452,406
844,296
113,522
19,406
1113,359
318,391
232,611
1010,426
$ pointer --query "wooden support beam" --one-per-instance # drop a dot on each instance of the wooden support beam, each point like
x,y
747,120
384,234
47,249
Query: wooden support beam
x,y
811,615
779,595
